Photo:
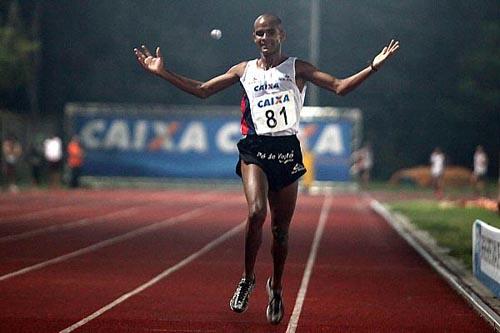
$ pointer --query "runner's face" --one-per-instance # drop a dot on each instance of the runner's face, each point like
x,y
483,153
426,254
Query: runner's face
x,y
267,36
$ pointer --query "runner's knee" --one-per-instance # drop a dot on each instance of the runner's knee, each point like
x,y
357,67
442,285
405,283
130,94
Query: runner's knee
x,y
257,215
280,234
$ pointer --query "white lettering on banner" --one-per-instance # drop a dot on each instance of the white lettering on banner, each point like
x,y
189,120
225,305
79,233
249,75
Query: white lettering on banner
x,y
140,131
490,251
489,247
194,138
227,137
139,135
330,141
118,136
89,131
161,130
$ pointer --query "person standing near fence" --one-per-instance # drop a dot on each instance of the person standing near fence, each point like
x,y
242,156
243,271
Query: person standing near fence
x,y
53,154
35,159
75,161
270,160
11,153
480,169
437,171
365,155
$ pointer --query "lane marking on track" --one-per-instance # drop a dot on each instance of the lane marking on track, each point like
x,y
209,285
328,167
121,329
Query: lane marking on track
x,y
301,294
131,234
157,278
47,212
69,204
78,223
68,226
455,282
37,214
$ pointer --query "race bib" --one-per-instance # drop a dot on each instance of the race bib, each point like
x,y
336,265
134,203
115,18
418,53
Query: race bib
x,y
274,112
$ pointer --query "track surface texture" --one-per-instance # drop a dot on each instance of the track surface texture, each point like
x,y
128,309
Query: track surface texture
x,y
169,261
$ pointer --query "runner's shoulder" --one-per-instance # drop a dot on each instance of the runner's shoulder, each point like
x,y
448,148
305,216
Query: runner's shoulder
x,y
239,69
302,66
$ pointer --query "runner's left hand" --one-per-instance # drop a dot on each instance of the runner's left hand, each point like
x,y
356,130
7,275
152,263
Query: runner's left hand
x,y
386,52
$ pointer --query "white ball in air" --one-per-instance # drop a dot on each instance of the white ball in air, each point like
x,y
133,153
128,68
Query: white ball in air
x,y
216,34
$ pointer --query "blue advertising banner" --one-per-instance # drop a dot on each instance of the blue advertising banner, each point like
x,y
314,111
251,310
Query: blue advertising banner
x,y
331,144
119,142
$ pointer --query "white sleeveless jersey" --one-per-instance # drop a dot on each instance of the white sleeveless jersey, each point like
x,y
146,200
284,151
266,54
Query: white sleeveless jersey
x,y
273,97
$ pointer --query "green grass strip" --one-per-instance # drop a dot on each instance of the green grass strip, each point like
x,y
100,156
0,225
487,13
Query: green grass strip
x,y
449,224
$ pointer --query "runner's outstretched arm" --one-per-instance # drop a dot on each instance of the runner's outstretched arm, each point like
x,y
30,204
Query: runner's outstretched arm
x,y
156,66
307,72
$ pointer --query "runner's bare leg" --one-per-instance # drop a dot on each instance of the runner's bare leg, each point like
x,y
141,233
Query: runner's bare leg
x,y
256,187
282,205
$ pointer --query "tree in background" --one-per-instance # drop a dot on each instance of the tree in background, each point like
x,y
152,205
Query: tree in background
x,y
17,49
479,86
481,65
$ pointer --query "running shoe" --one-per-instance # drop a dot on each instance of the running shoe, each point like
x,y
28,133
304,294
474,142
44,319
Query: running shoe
x,y
239,302
274,311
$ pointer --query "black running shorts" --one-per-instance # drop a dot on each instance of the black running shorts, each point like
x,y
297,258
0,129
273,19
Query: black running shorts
x,y
279,157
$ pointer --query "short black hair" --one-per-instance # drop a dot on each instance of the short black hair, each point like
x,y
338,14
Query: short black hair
x,y
274,18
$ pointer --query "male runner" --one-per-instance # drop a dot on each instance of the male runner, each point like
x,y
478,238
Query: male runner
x,y
270,162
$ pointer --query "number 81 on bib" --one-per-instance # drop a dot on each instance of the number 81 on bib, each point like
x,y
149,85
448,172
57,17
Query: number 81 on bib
x,y
273,113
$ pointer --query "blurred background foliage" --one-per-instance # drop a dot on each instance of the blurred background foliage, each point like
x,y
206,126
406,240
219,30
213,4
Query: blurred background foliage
x,y
17,47
442,89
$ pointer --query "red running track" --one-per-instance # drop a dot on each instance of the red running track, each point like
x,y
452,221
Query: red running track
x,y
168,261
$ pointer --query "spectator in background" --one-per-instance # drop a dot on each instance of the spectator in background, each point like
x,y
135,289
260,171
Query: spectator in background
x,y
11,154
480,169
75,161
363,163
437,171
52,149
366,163
35,159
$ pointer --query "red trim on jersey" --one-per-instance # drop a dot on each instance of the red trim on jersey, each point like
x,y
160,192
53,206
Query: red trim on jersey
x,y
243,108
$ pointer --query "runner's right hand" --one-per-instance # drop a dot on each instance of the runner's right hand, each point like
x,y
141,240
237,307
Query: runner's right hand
x,y
153,64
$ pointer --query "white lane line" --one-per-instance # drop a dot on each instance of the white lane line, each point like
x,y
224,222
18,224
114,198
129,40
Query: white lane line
x,y
47,212
68,226
157,278
110,241
36,214
93,203
301,295
456,282
76,224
